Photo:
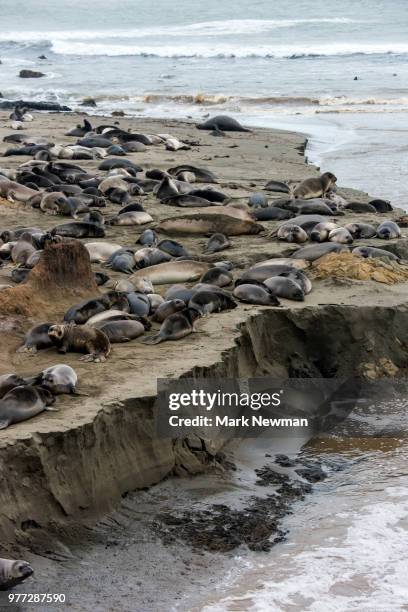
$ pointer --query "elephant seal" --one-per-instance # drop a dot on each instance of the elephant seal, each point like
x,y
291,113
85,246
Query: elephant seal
x,y
121,331
155,301
81,339
139,303
22,403
277,186
202,175
381,206
172,272
272,213
255,294
173,248
360,207
223,123
311,253
59,379
175,326
186,200
207,301
179,292
99,252
361,230
308,222
300,279
121,261
388,230
36,339
217,276
143,285
367,251
206,223
321,231
22,251
313,206
258,200
133,217
315,187
79,230
80,313
281,261
116,315
216,243
341,235
13,573
291,233
8,382
168,308
284,287
133,206
150,256
148,238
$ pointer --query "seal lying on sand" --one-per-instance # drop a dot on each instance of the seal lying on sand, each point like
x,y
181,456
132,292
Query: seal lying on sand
x,y
387,230
315,187
22,403
13,573
223,123
172,272
176,326
207,223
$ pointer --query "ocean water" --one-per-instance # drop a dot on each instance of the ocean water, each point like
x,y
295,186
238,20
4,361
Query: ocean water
x,y
267,63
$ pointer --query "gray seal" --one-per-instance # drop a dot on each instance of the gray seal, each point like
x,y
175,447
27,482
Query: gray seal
x,y
315,187
168,308
59,379
8,382
13,572
340,235
291,233
255,294
175,326
272,213
361,230
80,229
321,231
22,403
258,200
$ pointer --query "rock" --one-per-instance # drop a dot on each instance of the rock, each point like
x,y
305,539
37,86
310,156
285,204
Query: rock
x,y
42,57
118,113
88,102
30,74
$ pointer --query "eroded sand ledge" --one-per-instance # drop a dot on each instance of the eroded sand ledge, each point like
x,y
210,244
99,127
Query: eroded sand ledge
x,y
74,466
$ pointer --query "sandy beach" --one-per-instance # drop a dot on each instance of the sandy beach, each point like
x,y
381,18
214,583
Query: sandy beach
x,y
99,449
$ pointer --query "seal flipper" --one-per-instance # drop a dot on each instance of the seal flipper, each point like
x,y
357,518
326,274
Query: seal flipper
x,y
4,423
153,339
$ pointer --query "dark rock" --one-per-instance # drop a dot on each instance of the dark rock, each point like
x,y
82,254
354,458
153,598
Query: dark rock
x,y
88,102
284,461
42,57
118,113
312,473
30,74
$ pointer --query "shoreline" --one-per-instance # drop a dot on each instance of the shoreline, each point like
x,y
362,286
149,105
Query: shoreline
x,y
245,342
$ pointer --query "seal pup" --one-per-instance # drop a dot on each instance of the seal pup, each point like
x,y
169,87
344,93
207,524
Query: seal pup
x,y
277,186
216,243
202,175
207,301
121,331
360,207
36,339
173,248
139,303
179,292
100,252
311,253
168,308
381,206
22,403
84,310
367,251
13,573
285,287
132,217
150,256
272,213
291,233
121,261
340,235
81,339
175,326
59,379
311,207
258,200
315,187
148,238
388,230
361,230
79,229
255,294
222,123
8,382
217,276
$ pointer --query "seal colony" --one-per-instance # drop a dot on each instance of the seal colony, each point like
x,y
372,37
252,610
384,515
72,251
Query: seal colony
x,y
161,272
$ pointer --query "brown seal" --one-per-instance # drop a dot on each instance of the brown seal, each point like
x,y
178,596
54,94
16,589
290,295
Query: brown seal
x,y
81,339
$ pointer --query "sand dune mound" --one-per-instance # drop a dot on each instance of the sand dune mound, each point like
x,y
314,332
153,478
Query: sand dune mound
x,y
63,273
346,265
